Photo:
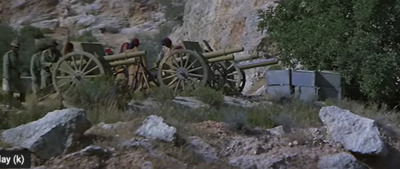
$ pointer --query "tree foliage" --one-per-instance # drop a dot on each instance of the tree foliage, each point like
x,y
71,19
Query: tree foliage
x,y
360,39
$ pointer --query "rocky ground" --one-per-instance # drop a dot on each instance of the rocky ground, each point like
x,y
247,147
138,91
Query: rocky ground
x,y
67,139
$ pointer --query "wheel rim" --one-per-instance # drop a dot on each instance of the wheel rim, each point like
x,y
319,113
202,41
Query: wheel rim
x,y
75,68
182,70
235,78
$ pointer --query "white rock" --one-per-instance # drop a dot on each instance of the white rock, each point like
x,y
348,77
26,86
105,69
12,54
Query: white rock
x,y
51,135
155,128
49,24
355,133
190,102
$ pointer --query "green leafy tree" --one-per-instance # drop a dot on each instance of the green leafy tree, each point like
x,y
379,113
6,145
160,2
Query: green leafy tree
x,y
360,39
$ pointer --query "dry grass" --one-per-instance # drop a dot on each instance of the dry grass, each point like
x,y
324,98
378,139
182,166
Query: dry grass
x,y
31,112
369,110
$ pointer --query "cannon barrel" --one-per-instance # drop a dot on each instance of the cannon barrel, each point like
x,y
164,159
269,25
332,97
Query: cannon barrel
x,y
246,57
125,55
222,52
123,62
233,57
221,58
257,63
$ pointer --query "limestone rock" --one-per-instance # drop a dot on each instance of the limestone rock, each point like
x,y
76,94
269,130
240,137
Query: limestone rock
x,y
155,128
204,150
49,24
51,135
224,24
238,102
339,161
355,133
190,102
259,161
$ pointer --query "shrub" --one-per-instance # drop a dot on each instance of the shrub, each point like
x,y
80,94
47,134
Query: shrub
x,y
209,96
354,38
97,92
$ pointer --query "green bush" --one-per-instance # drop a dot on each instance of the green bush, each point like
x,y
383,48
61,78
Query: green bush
x,y
356,38
209,96
94,93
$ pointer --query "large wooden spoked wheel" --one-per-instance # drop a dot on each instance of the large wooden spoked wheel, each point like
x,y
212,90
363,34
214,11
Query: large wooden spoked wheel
x,y
235,78
74,68
182,70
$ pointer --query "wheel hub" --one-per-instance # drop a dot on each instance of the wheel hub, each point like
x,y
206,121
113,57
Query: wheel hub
x,y
182,73
78,75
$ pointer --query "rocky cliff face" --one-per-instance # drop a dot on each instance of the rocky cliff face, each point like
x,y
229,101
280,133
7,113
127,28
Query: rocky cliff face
x,y
225,24
112,22
222,23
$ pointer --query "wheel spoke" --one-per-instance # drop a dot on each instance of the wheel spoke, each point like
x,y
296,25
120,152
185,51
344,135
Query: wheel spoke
x,y
69,66
229,67
173,81
194,69
169,71
73,59
181,56
91,70
186,62
233,73
170,65
168,77
173,60
62,70
177,85
63,77
233,80
196,75
87,65
81,63
192,63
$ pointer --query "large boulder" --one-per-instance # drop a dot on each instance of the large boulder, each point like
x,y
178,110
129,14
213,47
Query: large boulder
x,y
155,128
355,133
51,135
339,161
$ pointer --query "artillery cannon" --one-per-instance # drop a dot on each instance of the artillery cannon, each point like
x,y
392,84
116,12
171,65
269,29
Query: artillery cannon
x,y
87,61
191,66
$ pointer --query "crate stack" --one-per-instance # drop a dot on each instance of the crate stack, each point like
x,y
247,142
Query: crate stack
x,y
278,83
329,84
305,85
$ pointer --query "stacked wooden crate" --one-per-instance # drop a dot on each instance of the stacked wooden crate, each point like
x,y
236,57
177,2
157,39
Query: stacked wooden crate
x,y
305,85
278,83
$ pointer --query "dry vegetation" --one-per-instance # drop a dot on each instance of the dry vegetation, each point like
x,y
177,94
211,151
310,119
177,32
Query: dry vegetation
x,y
104,101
